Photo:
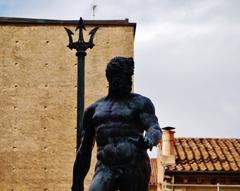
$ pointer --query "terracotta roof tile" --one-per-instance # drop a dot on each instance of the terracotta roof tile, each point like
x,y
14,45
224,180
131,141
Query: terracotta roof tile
x,y
234,152
180,151
207,154
197,154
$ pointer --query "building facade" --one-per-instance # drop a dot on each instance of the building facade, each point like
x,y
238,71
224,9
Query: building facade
x,y
197,164
38,97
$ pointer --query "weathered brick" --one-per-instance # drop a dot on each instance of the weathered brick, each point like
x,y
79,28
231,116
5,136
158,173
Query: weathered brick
x,y
38,99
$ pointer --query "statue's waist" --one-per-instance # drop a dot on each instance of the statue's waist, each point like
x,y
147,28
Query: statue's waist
x,y
105,136
109,130
118,153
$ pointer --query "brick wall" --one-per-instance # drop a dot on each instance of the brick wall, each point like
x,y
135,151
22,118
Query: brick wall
x,y
38,101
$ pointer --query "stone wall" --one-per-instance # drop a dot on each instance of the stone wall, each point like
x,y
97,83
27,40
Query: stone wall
x,y
38,100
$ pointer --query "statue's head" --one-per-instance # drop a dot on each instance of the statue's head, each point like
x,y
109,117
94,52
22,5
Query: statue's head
x,y
119,75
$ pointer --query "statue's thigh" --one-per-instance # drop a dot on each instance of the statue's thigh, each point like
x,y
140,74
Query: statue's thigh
x,y
102,181
136,179
135,184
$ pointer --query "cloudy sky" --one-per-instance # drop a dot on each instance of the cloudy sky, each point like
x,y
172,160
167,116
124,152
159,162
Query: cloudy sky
x,y
187,55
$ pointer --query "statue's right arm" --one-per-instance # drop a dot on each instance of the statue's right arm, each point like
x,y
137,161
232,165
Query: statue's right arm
x,y
83,158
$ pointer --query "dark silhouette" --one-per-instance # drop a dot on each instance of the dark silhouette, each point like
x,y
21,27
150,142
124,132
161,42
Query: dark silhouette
x,y
80,46
117,123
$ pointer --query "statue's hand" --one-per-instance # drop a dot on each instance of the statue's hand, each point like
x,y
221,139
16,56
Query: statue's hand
x,y
141,142
78,187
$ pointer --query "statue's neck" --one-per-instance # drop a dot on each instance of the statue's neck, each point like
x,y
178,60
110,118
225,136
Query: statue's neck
x,y
115,94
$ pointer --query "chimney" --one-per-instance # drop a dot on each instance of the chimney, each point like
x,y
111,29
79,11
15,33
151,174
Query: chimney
x,y
168,141
166,155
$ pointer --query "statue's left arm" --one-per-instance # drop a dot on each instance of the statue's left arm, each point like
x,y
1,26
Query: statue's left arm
x,y
150,124
84,153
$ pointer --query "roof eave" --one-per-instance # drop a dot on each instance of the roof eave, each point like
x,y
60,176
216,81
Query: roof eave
x,y
175,172
33,21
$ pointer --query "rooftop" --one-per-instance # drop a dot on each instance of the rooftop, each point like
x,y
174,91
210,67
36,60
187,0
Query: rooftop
x,y
207,155
203,155
16,20
34,21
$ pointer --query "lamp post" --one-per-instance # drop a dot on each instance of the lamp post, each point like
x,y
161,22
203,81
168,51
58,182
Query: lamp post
x,y
80,46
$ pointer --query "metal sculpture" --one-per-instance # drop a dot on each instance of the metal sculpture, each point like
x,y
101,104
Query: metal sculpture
x,y
80,46
117,122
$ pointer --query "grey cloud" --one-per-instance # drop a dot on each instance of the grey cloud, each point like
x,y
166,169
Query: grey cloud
x,y
186,55
194,81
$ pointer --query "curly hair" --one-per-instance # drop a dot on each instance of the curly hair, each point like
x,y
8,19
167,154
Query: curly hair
x,y
119,65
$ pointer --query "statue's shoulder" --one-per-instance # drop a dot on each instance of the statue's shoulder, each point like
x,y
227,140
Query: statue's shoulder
x,y
99,101
140,99
95,104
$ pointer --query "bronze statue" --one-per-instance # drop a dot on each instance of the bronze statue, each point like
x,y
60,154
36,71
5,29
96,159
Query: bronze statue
x,y
117,123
